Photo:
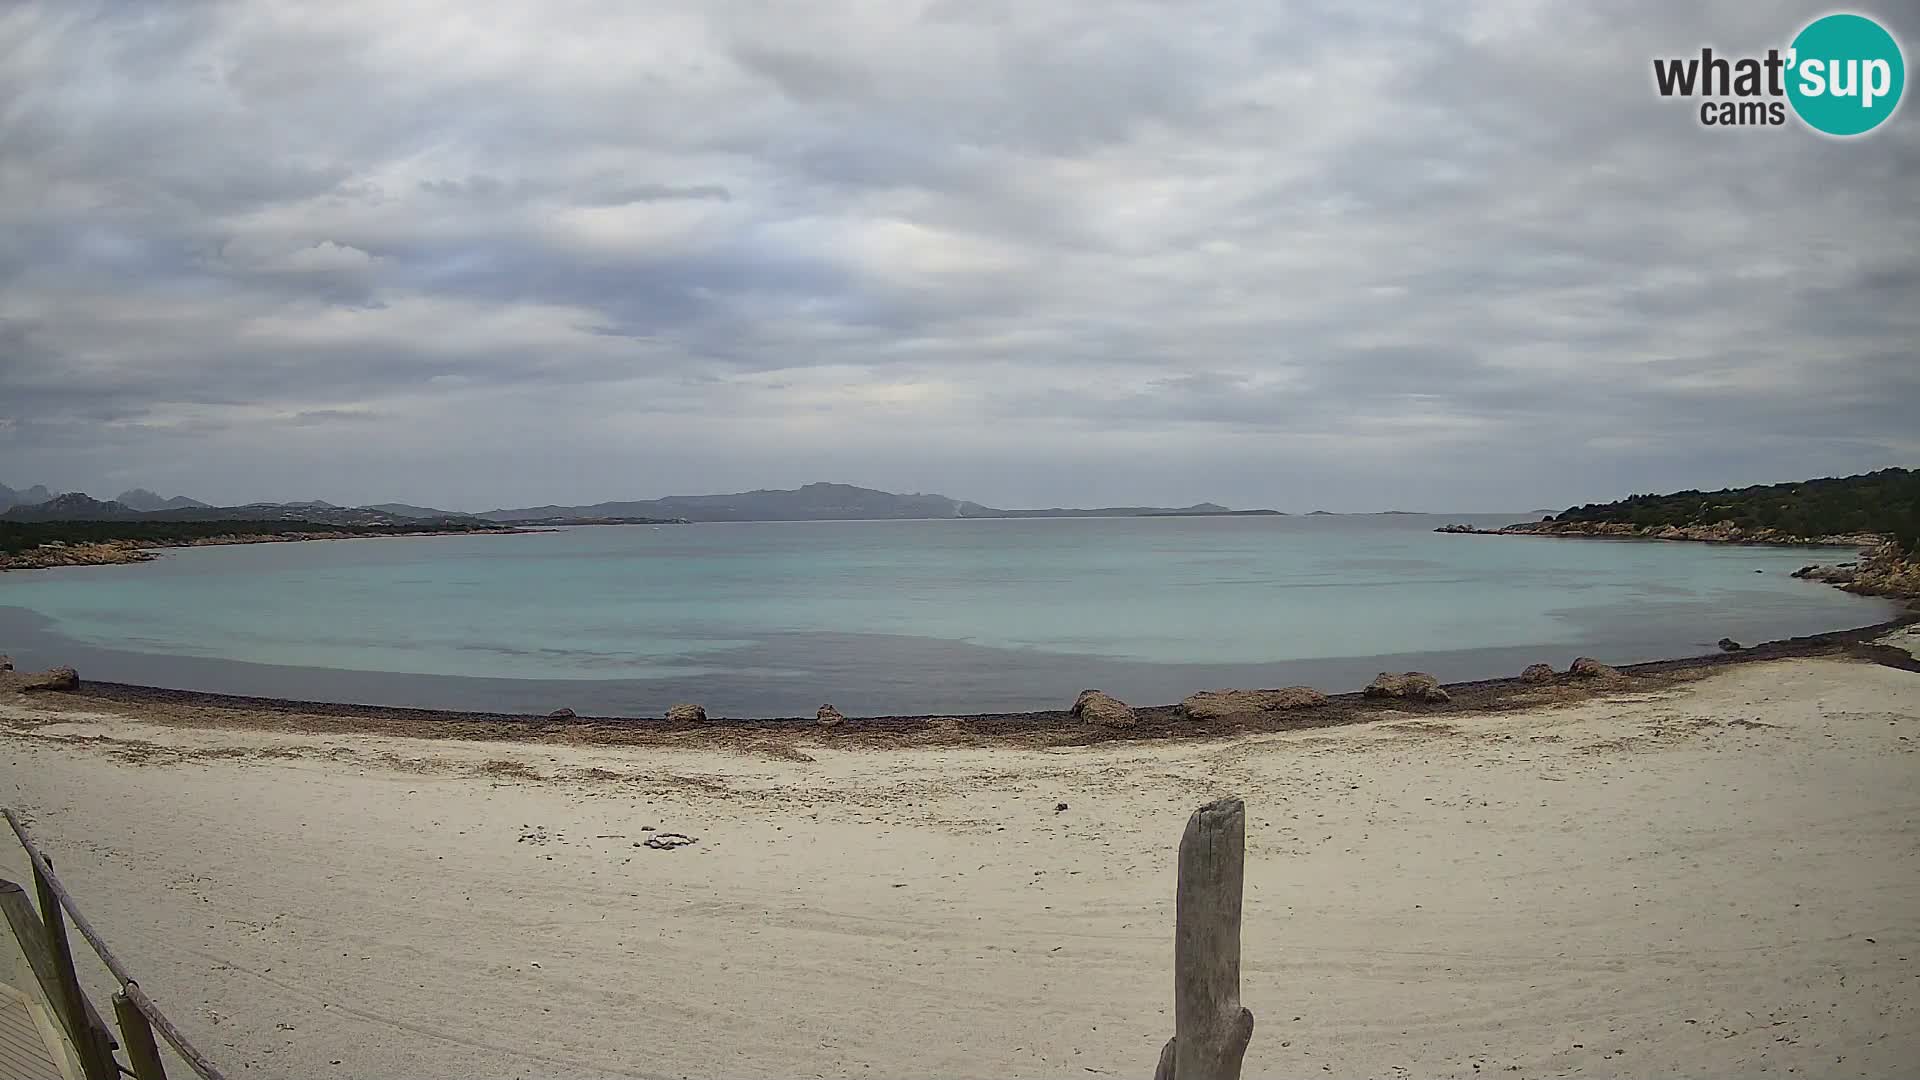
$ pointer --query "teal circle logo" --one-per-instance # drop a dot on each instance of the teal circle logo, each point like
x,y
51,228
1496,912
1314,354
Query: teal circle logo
x,y
1846,73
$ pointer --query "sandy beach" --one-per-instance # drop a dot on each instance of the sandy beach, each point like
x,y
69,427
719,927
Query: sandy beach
x,y
1711,876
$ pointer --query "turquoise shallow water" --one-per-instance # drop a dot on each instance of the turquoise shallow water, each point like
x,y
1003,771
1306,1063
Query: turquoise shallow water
x,y
897,615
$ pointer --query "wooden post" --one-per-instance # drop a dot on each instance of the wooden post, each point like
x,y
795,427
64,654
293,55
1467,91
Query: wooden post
x,y
138,1037
95,1057
1211,1030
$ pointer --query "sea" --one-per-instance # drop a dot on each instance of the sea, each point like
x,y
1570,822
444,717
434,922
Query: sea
x,y
770,619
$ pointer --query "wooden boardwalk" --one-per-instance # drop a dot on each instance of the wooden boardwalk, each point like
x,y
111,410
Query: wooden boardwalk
x,y
31,1047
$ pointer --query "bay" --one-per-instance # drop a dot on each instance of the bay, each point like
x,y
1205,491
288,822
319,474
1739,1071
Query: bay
x,y
774,618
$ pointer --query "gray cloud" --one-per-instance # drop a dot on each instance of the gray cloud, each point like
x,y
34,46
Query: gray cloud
x,y
1342,255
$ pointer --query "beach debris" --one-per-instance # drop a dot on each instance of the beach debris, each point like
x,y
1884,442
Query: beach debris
x,y
686,714
1586,667
1214,704
667,841
1414,685
828,716
1100,707
1537,673
1727,644
562,714
60,678
1059,807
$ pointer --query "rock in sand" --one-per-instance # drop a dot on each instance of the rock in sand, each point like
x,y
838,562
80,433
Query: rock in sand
x,y
1727,644
1214,704
1586,667
828,716
1414,686
562,714
1537,673
1100,707
686,714
60,678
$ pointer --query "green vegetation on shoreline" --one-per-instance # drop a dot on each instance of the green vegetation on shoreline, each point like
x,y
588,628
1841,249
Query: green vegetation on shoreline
x,y
1886,503
17,537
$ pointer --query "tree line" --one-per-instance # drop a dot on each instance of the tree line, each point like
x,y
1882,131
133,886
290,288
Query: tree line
x,y
1885,502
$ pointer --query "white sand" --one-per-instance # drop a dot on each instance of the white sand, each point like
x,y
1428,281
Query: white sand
x,y
1618,888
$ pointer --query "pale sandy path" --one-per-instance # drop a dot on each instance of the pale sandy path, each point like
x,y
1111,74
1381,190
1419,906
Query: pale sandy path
x,y
1617,888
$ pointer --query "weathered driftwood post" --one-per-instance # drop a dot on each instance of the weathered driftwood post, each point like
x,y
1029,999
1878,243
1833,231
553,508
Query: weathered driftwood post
x,y
1211,1030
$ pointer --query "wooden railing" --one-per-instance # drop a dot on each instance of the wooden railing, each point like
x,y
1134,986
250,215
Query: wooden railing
x,y
43,938
1211,1029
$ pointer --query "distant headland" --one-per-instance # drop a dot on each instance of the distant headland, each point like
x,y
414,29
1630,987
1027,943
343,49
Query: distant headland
x,y
1879,511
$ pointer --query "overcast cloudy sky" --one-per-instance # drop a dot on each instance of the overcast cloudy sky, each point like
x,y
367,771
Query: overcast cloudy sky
x,y
1349,254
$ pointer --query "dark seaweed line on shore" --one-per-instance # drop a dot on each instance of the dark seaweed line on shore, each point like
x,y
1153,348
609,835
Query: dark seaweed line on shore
x,y
1471,696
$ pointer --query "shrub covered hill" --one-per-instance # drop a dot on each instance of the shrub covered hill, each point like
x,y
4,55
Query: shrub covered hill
x,y
1877,511
1885,503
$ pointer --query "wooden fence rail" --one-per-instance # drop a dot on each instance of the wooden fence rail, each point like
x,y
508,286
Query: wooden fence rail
x,y
43,936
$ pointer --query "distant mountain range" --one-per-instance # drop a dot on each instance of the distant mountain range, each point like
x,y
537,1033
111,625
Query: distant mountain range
x,y
34,495
813,502
144,500
828,502
74,506
137,499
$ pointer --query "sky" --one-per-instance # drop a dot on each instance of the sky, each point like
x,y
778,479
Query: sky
x,y
1350,255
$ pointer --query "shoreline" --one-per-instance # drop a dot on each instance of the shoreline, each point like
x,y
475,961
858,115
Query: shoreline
x,y
1878,568
1723,533
125,552
196,708
1708,877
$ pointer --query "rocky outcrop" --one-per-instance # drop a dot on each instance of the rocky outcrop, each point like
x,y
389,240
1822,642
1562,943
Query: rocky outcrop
x,y
1100,707
1538,673
828,716
60,678
107,552
58,554
1215,704
1412,686
1880,572
1586,667
1834,574
686,714
1722,532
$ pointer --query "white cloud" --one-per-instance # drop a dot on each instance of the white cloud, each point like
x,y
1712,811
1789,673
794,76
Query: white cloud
x,y
1154,252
